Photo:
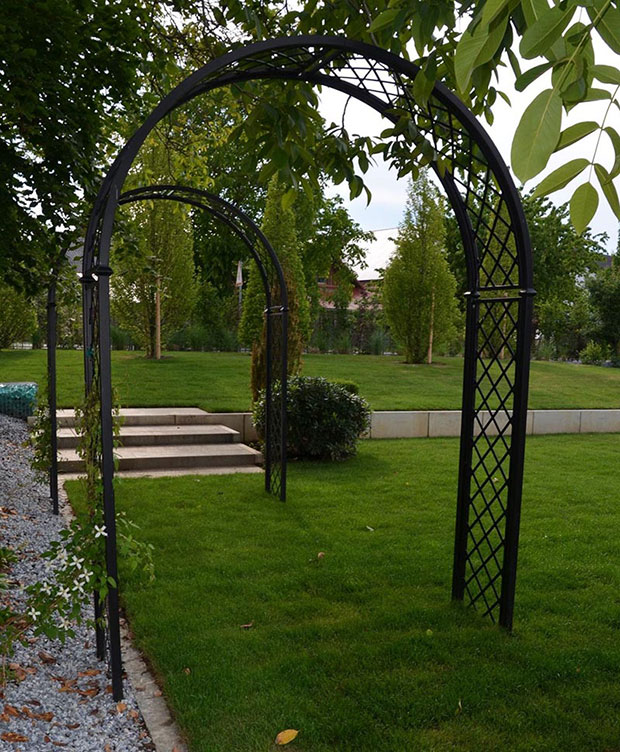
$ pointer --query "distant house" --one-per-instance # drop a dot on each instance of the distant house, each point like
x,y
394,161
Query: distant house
x,y
378,253
328,286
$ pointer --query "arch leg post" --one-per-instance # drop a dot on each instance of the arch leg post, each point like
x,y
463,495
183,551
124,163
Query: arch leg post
x,y
465,457
107,474
268,400
519,425
52,319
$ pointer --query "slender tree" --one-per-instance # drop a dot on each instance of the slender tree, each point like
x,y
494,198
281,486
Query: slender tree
x,y
418,287
279,227
153,289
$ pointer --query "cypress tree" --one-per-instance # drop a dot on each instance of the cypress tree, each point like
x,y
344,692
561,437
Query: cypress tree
x,y
279,228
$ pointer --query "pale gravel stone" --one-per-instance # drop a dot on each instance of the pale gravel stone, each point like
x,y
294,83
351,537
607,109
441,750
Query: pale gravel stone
x,y
30,532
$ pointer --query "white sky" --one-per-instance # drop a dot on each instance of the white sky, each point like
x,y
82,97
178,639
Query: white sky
x,y
389,194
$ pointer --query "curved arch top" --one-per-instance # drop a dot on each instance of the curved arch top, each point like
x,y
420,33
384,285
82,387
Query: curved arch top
x,y
235,219
460,146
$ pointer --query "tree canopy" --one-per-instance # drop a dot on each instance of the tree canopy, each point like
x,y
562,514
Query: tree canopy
x,y
69,71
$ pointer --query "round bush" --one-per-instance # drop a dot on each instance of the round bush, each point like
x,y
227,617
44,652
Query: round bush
x,y
325,419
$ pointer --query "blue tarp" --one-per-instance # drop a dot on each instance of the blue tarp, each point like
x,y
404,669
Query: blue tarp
x,y
18,398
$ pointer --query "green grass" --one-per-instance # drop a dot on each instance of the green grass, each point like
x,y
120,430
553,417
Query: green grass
x,y
220,381
341,647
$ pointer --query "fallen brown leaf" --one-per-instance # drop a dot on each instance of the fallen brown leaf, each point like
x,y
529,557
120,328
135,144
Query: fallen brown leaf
x,y
90,672
249,625
37,716
92,692
187,671
121,707
11,710
286,736
46,657
72,726
20,673
11,736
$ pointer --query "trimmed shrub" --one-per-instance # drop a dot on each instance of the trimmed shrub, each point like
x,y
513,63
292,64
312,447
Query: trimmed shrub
x,y
593,354
325,419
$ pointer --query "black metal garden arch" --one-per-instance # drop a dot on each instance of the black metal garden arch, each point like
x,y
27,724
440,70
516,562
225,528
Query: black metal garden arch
x,y
96,319
499,273
276,310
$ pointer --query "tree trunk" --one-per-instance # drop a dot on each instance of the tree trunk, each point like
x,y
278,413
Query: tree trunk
x,y
429,358
158,319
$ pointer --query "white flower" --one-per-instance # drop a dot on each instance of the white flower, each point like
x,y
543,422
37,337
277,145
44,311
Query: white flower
x,y
100,530
79,588
65,623
85,575
33,614
64,593
46,588
76,563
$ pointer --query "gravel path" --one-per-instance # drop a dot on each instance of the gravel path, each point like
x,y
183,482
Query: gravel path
x,y
61,696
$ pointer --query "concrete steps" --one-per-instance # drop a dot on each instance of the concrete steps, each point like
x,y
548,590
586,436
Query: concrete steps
x,y
162,435
164,441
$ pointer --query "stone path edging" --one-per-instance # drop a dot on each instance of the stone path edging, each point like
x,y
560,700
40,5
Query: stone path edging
x,y
162,729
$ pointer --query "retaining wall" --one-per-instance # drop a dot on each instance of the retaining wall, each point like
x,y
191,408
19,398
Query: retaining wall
x,y
408,424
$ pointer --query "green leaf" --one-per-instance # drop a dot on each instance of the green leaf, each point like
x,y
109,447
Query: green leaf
x,y
525,79
383,19
609,25
514,63
422,87
356,184
615,140
288,198
575,133
493,8
547,29
532,10
583,206
606,74
594,95
493,41
537,135
467,51
609,189
561,177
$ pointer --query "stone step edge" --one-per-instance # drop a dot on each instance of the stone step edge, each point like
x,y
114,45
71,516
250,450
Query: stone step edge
x,y
134,436
194,455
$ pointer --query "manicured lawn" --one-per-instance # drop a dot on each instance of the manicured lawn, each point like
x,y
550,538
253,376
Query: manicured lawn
x,y
220,381
361,649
